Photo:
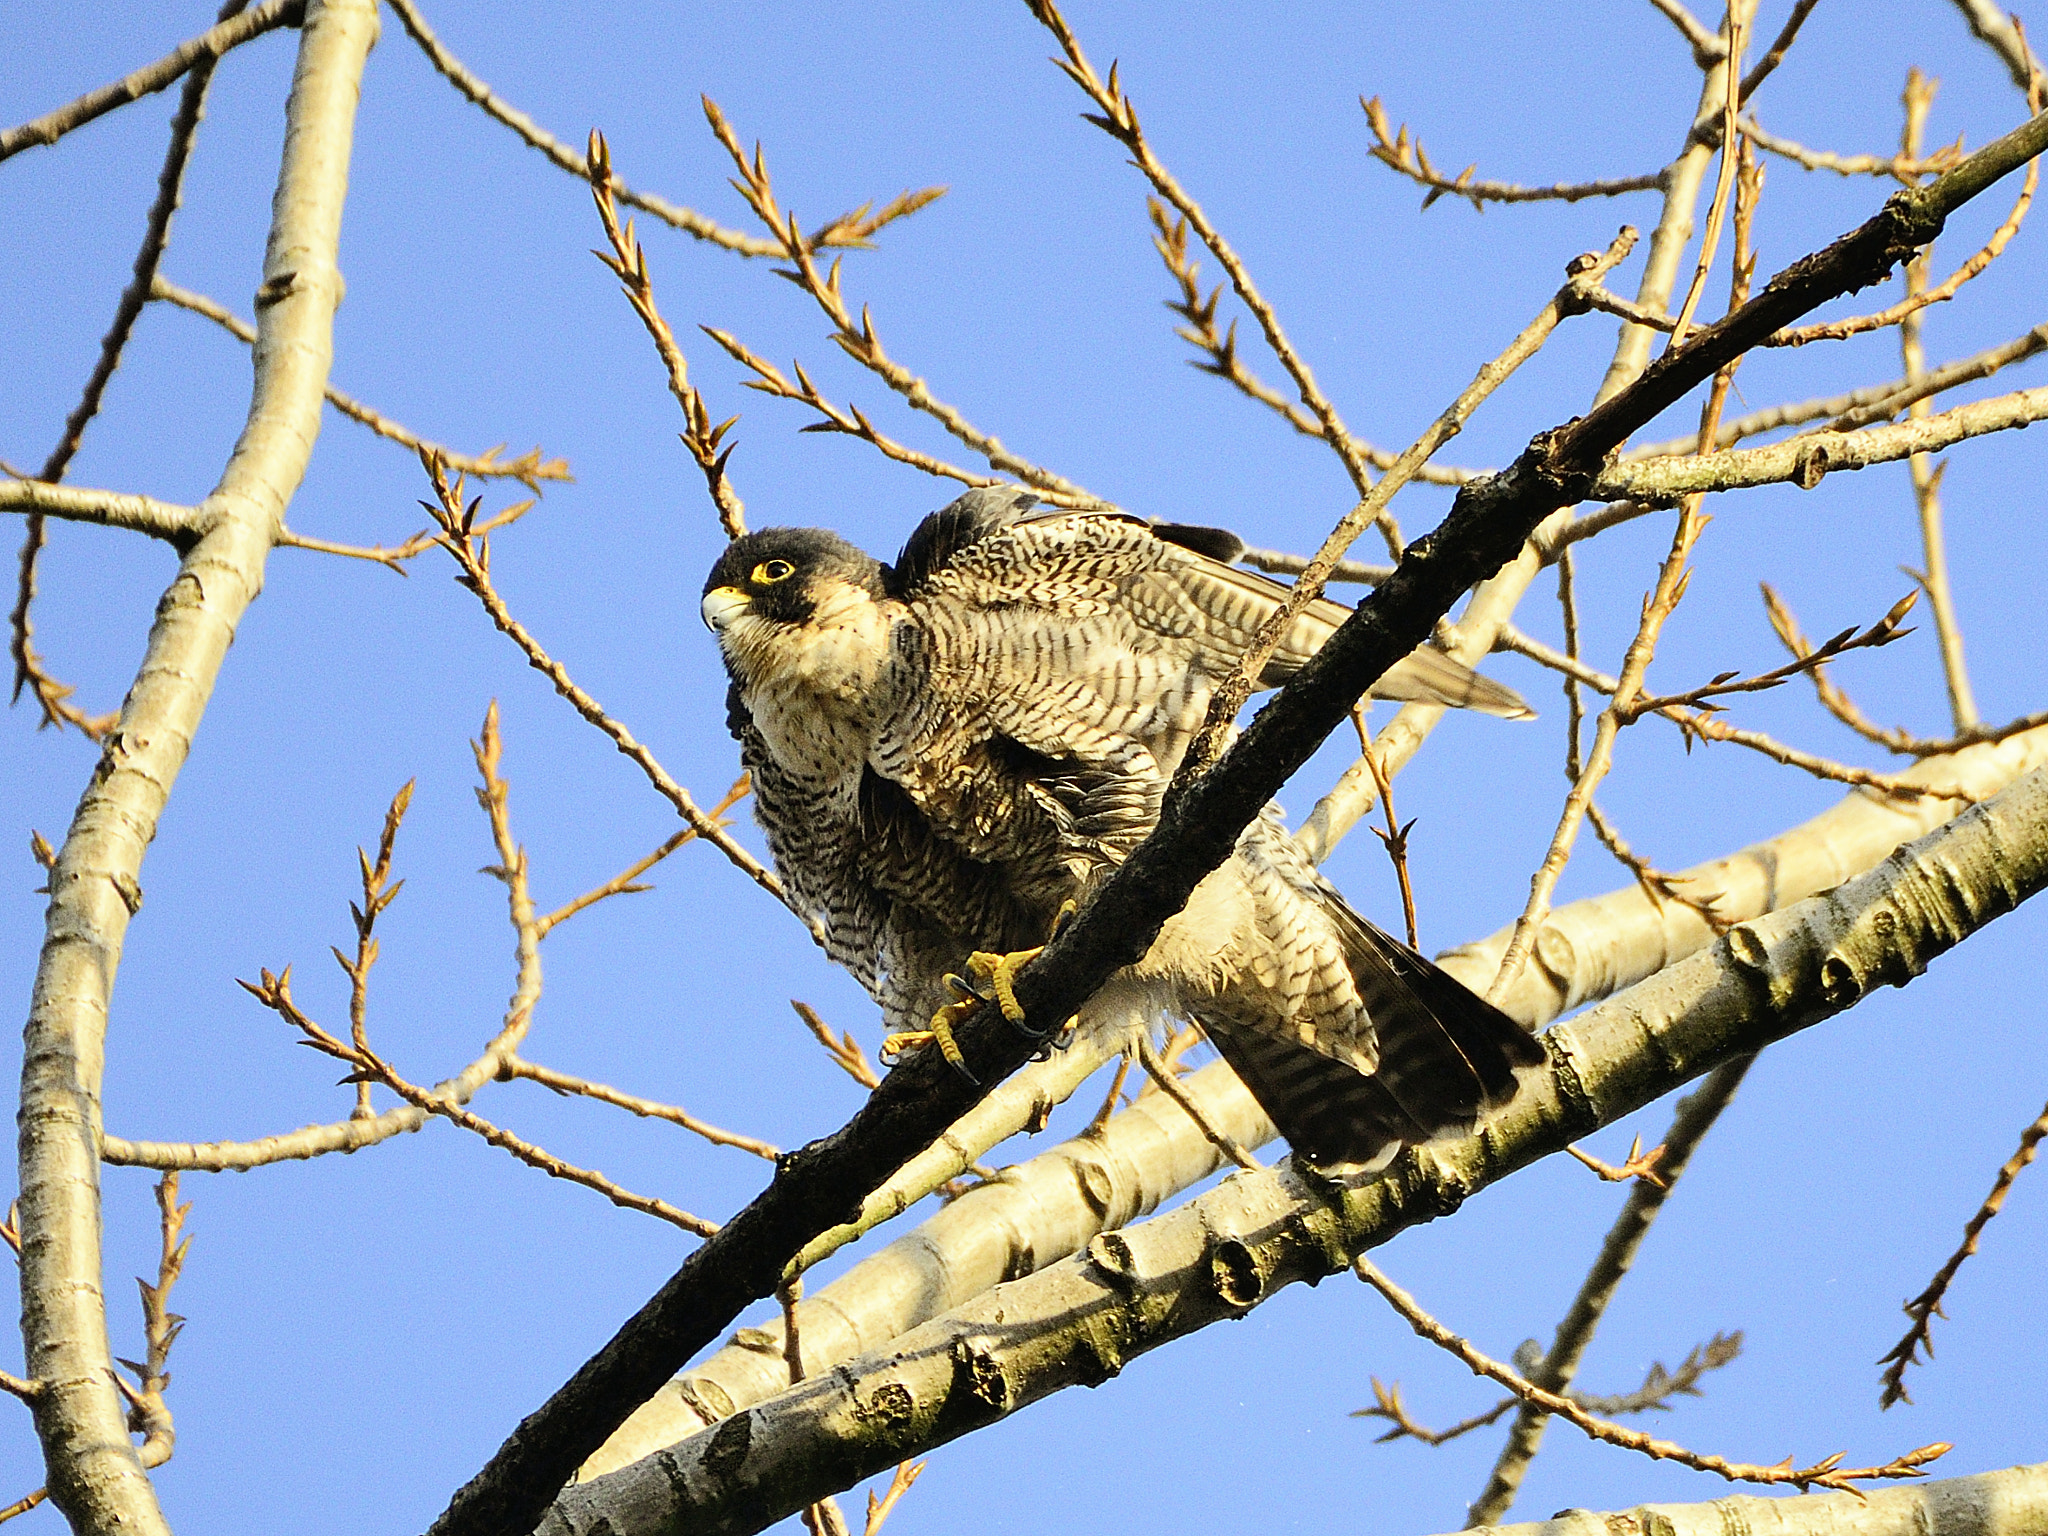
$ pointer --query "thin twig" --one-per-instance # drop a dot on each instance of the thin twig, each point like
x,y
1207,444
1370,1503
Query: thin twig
x,y
850,230
625,882
1395,836
646,1109
1707,45
148,1415
1710,728
1717,210
1170,239
1849,165
1637,1165
1697,1112
1404,153
1883,632
858,340
1388,1405
1775,54
1119,119
1835,330
1926,474
29,671
1861,407
378,893
628,263
459,531
1828,1473
1744,185
529,468
274,992
1653,1396
203,50
850,419
395,556
1659,886
1162,1073
879,1510
842,1048
1231,692
1925,1307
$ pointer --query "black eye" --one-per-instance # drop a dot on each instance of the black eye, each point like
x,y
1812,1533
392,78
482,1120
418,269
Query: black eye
x,y
768,572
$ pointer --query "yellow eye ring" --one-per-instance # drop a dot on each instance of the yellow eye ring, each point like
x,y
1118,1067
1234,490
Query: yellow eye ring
x,y
768,572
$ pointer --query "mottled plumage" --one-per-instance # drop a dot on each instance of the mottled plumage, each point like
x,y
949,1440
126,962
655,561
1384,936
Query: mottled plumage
x,y
945,749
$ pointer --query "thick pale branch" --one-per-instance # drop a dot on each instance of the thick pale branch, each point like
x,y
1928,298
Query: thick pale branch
x,y
1586,950
96,1477
1804,461
1032,1214
110,509
1214,1259
2009,1503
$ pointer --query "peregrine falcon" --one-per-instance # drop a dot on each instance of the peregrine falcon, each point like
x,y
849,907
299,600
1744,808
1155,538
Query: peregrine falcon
x,y
947,750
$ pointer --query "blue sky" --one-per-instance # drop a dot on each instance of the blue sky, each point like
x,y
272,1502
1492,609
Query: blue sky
x,y
364,1331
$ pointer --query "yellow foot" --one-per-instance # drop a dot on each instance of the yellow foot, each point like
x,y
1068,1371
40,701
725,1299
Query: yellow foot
x,y
1000,971
941,1032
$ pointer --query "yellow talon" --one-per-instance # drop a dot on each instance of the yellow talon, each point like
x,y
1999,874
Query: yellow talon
x,y
940,1033
1000,971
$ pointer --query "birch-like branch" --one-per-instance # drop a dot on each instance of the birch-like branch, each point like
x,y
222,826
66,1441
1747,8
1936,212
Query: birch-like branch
x,y
1051,1205
2009,1503
95,1477
1086,1318
110,509
1031,1215
1803,461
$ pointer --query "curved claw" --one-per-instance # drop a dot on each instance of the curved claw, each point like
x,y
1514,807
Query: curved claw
x,y
941,1033
1000,971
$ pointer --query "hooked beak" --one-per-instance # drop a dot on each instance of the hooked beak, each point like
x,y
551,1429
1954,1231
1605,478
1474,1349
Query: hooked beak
x,y
722,605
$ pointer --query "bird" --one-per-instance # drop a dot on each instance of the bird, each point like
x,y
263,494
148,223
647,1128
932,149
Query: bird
x,y
949,753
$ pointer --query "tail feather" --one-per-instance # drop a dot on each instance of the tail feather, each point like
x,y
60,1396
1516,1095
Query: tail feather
x,y
1445,1055
1328,1111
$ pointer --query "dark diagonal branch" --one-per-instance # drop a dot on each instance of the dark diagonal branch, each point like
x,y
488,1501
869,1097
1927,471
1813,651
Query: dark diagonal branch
x,y
823,1183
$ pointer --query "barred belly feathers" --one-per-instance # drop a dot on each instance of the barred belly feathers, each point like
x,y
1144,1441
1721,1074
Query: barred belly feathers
x,y
946,750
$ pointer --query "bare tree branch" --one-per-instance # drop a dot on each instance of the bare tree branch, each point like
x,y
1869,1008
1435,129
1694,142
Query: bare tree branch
x,y
1214,1259
94,1474
206,48
2009,1503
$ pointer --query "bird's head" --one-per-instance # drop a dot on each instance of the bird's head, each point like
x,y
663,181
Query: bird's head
x,y
782,592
